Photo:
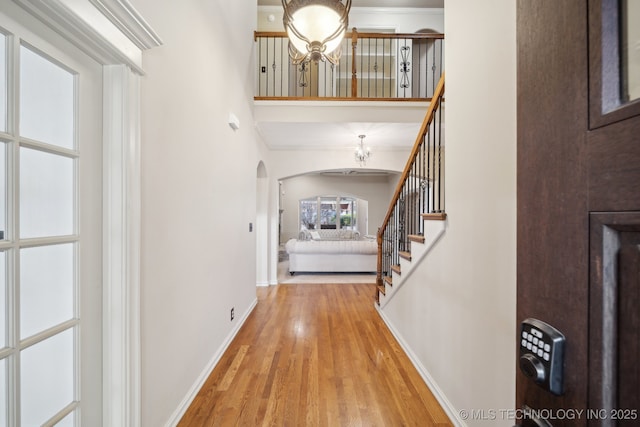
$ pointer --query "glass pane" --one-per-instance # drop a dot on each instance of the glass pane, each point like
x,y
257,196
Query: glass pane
x,y
46,100
308,213
46,287
328,213
347,214
3,299
3,191
630,14
3,83
46,194
47,375
3,393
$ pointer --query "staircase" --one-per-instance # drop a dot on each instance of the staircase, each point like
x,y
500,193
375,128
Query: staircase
x,y
416,218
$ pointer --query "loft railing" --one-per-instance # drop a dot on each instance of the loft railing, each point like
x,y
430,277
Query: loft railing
x,y
377,66
419,192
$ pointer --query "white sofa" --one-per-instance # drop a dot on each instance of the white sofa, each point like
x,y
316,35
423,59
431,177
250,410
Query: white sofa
x,y
332,252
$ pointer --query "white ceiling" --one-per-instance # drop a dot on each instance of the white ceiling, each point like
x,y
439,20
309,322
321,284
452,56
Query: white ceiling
x,y
332,135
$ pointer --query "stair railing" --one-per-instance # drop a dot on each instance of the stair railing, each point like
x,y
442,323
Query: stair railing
x,y
420,190
373,66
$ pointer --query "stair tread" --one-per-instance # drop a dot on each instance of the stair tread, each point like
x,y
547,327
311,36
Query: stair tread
x,y
416,238
405,254
388,280
440,216
382,289
396,268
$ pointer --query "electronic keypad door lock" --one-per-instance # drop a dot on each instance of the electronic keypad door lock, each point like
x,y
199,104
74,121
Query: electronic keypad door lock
x,y
542,354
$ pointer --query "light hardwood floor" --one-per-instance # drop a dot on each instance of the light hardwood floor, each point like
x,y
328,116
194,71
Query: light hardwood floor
x,y
315,355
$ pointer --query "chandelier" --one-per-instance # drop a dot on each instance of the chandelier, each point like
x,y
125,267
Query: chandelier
x,y
362,154
315,29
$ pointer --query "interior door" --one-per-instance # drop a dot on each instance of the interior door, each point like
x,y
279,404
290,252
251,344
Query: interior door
x,y
51,220
579,207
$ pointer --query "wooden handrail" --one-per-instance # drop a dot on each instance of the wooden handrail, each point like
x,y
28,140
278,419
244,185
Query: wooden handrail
x,y
428,118
433,106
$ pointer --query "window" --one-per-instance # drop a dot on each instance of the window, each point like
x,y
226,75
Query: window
x,y
328,212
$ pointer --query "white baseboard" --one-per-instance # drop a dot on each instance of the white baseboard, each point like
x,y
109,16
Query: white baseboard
x,y
195,388
262,284
451,412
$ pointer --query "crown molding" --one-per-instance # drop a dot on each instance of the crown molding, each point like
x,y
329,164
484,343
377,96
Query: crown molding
x,y
110,31
129,21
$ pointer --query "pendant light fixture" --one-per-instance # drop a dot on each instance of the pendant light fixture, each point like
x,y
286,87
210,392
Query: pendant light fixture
x,y
315,29
362,154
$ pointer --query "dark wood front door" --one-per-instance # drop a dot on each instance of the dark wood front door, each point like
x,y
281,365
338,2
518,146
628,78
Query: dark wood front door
x,y
579,207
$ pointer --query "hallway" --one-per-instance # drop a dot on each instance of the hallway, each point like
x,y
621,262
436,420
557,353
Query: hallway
x,y
315,355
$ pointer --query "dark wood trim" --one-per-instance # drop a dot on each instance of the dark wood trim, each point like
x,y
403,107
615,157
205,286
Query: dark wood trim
x,y
605,105
552,203
604,303
614,172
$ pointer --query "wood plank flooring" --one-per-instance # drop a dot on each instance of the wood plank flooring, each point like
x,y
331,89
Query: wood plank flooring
x,y
315,355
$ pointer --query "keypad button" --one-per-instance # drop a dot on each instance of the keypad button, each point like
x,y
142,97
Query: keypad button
x,y
530,338
524,343
547,347
529,346
545,356
524,334
540,352
535,341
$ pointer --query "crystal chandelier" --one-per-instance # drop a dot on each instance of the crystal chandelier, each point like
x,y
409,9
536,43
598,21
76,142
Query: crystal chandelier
x,y
362,154
315,29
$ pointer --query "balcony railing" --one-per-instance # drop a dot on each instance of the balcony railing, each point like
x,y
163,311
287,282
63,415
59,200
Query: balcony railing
x,y
374,66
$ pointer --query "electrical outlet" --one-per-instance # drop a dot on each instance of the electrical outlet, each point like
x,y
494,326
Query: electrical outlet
x,y
232,313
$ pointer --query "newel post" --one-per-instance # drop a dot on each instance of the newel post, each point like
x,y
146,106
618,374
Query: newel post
x,y
354,71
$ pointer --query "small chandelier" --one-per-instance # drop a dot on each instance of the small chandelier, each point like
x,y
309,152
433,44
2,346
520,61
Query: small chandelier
x,y
315,29
362,154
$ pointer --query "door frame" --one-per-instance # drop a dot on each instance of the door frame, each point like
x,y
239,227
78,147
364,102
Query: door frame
x,y
114,34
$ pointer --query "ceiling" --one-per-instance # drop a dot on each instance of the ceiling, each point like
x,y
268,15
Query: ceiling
x,y
385,129
334,135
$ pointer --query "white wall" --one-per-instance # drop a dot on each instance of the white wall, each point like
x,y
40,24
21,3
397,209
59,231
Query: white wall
x,y
198,193
457,312
377,190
